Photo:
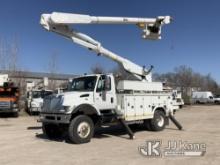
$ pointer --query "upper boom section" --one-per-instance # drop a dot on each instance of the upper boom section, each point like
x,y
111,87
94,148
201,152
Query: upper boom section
x,y
151,27
60,24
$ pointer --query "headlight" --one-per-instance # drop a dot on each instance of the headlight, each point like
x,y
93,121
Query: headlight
x,y
66,108
15,105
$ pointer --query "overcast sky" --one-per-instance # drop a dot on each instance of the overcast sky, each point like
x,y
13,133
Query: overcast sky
x,y
193,38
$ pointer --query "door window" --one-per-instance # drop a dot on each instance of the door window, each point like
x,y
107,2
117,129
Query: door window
x,y
104,84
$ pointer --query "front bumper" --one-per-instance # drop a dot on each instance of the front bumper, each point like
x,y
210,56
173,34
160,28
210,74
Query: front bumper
x,y
35,109
8,110
54,118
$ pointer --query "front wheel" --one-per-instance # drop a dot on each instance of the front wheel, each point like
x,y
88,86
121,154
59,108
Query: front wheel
x,y
217,102
158,122
81,129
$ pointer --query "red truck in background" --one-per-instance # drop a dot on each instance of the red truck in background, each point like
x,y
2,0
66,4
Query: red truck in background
x,y
9,96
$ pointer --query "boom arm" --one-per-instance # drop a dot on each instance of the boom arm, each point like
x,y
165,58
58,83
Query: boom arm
x,y
60,23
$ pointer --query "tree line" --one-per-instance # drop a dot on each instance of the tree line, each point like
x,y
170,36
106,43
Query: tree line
x,y
182,78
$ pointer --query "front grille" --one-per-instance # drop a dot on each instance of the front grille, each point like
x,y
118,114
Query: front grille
x,y
52,103
5,104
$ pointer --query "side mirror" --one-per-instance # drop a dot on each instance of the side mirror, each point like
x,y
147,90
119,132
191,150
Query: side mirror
x,y
104,95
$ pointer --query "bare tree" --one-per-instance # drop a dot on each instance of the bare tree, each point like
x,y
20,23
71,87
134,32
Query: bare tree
x,y
13,52
9,55
97,69
53,70
186,79
119,72
2,55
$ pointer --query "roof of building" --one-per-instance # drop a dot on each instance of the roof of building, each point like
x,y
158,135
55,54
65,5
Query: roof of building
x,y
37,75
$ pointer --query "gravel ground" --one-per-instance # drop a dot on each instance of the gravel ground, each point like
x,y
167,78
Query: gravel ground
x,y
22,142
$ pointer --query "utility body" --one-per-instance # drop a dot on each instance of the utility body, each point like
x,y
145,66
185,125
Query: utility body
x,y
96,100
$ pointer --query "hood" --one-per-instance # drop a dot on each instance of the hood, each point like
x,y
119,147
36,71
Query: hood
x,y
76,98
37,102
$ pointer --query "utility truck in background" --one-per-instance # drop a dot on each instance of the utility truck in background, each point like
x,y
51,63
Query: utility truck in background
x,y
35,93
177,98
96,100
9,96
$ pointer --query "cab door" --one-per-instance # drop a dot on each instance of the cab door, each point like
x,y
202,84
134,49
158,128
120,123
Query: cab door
x,y
104,95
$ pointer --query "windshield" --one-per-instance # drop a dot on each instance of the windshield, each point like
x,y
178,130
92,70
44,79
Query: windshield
x,y
41,94
8,92
46,93
36,94
83,84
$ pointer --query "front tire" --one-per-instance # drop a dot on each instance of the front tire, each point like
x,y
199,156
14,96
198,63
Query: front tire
x,y
81,129
158,123
51,131
15,114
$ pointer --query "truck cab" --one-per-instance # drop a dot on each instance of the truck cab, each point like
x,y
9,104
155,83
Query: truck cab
x,y
35,100
97,91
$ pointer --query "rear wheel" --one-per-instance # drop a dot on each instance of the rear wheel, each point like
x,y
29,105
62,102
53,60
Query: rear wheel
x,y
81,129
158,122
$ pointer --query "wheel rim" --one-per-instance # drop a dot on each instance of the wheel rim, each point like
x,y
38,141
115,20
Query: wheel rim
x,y
160,121
83,129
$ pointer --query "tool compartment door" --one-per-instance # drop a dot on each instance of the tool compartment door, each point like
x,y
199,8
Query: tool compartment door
x,y
139,106
129,106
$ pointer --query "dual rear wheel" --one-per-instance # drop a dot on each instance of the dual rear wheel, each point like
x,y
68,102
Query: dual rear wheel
x,y
158,122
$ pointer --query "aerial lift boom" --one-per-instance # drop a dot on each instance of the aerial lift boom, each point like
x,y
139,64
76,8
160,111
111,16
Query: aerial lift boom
x,y
60,23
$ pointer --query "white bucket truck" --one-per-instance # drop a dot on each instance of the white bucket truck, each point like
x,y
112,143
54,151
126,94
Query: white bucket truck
x,y
94,100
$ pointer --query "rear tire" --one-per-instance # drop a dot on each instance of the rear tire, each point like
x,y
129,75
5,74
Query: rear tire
x,y
158,123
81,129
